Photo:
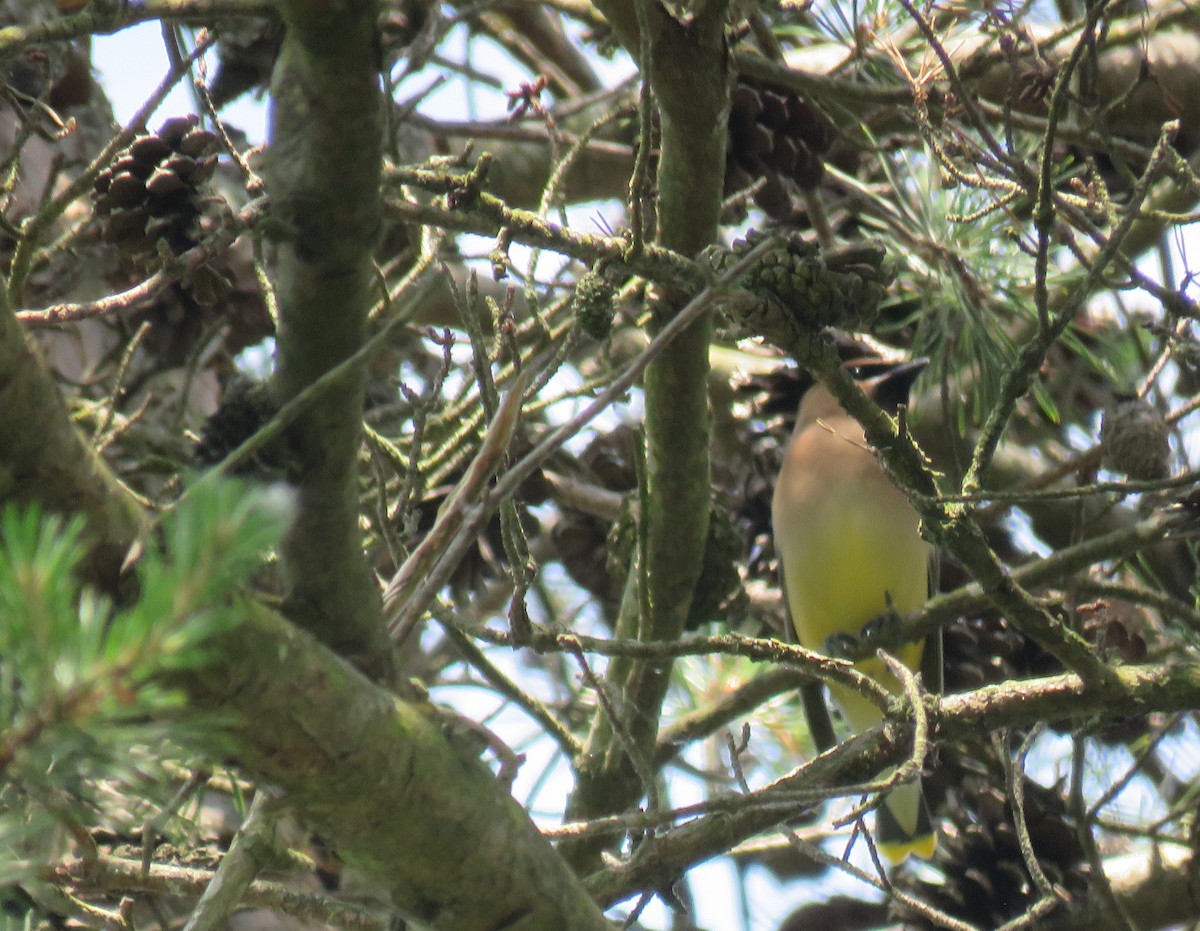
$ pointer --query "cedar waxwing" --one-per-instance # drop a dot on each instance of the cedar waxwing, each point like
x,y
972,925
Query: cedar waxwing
x,y
850,550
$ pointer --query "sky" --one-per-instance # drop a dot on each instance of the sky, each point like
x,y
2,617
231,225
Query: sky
x,y
133,60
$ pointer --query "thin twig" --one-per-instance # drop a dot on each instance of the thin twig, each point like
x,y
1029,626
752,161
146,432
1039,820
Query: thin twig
x,y
248,855
1014,776
423,571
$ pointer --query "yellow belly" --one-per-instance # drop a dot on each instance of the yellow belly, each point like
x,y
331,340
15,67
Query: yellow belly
x,y
844,558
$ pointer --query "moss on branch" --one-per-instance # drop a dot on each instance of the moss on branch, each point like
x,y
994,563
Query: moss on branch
x,y
324,167
460,852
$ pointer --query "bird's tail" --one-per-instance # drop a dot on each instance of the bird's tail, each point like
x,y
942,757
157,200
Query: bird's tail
x,y
902,825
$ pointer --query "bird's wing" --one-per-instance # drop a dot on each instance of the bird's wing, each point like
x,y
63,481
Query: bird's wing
x,y
933,659
812,693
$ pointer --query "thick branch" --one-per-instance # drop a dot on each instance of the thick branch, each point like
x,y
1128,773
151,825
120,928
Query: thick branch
x,y
324,170
460,853
104,19
45,460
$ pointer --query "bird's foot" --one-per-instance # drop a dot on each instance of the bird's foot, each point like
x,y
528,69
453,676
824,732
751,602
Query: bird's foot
x,y
840,645
878,625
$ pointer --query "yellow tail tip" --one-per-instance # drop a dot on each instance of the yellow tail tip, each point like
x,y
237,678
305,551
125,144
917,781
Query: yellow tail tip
x,y
896,852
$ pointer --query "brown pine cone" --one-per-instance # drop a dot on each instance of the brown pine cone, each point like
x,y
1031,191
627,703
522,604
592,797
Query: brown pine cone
x,y
984,878
151,192
777,135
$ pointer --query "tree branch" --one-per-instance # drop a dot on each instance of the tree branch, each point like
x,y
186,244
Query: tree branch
x,y
45,460
687,68
1142,689
323,175
352,758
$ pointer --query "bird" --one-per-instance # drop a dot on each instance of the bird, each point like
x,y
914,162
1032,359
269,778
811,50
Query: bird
x,y
850,550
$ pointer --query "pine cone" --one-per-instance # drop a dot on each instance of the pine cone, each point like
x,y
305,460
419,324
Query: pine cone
x,y
770,400
777,135
802,286
984,879
29,73
982,651
1135,440
151,193
989,649
246,407
592,304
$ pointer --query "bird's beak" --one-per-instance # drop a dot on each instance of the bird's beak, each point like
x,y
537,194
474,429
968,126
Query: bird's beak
x,y
891,389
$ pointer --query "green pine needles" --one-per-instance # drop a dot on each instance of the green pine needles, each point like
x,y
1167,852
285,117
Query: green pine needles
x,y
85,727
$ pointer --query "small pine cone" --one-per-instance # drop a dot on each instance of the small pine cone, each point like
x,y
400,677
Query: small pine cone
x,y
151,192
592,305
777,135
1135,440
